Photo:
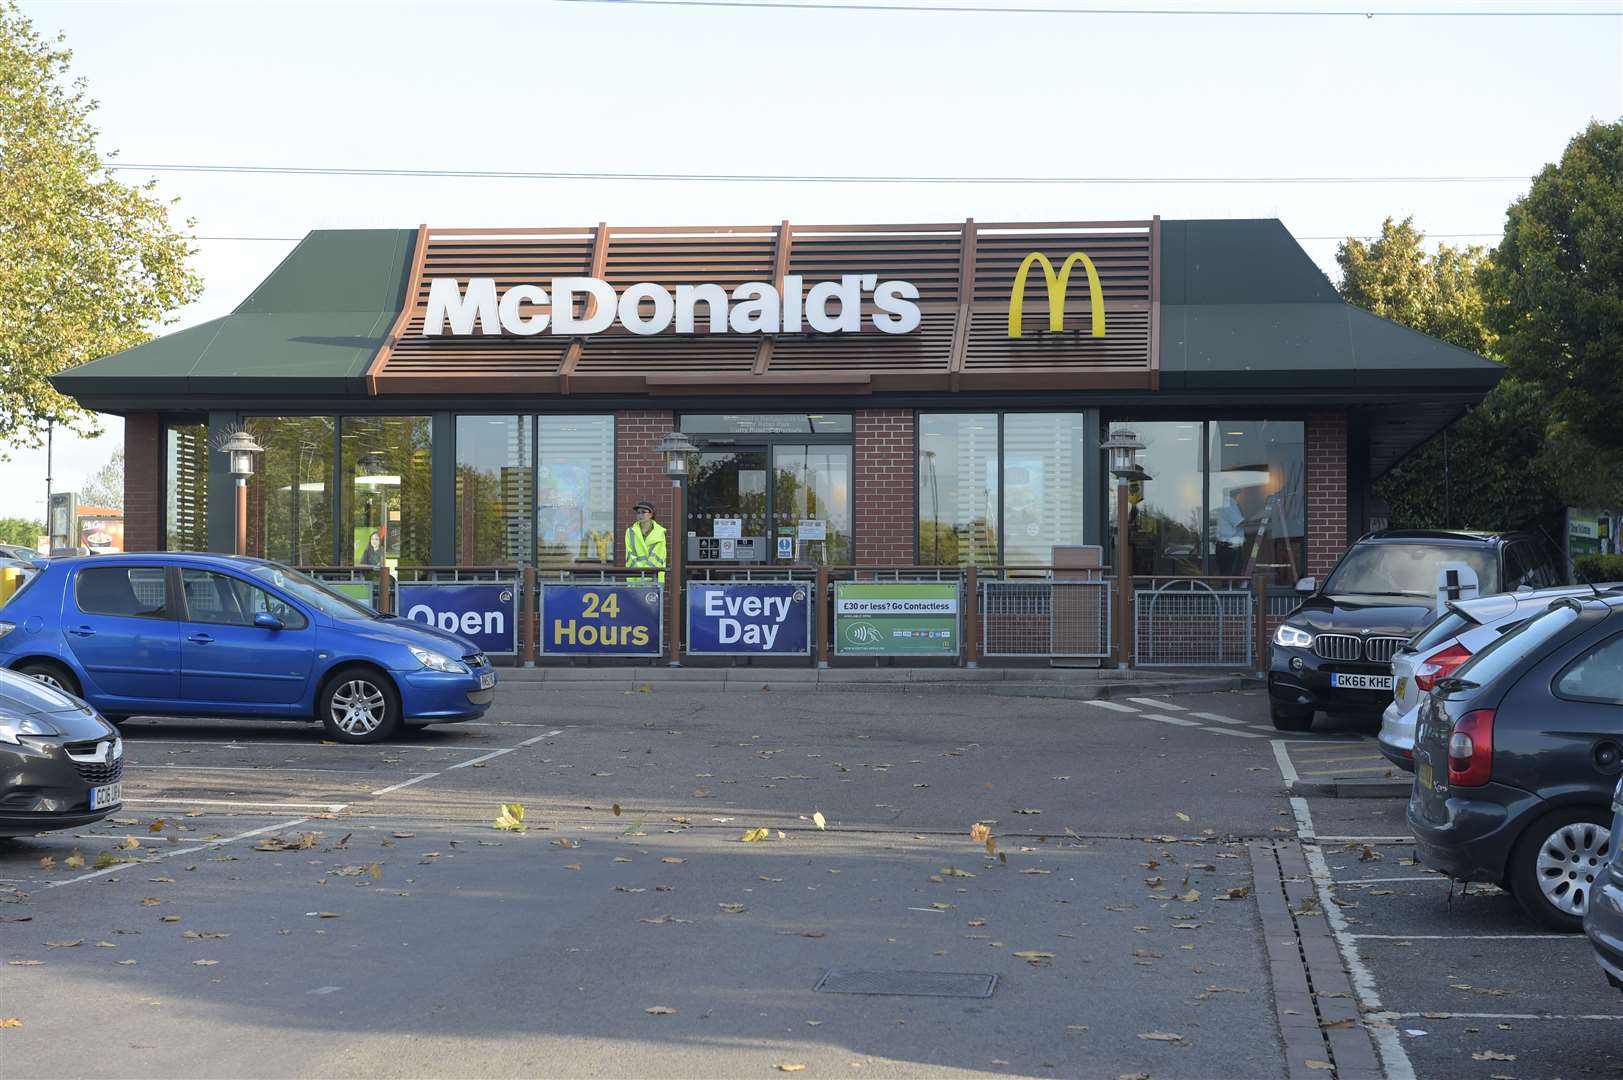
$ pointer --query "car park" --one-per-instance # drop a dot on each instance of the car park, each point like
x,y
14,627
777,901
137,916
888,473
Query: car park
x,y
1517,756
1603,922
1463,629
1333,653
215,635
61,764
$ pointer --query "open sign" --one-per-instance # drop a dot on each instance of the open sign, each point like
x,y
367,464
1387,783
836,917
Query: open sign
x,y
484,613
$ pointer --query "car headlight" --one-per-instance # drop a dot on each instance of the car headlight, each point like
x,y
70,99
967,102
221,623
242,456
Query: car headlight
x,y
1293,637
13,726
435,662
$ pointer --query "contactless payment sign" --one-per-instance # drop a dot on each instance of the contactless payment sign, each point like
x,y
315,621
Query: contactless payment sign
x,y
916,618
601,620
484,614
749,617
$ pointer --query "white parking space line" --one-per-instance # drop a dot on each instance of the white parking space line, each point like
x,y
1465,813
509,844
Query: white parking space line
x,y
1113,706
1151,703
1369,839
241,768
1235,734
1180,721
406,784
497,724
538,738
160,855
1287,771
1354,883
1569,938
480,760
1216,717
326,746
1496,1016
331,808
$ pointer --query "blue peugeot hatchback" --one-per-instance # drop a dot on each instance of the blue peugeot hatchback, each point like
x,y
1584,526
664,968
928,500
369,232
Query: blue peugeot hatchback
x,y
216,635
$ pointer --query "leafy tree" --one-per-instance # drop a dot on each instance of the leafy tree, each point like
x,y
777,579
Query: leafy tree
x,y
21,531
1555,289
1494,462
105,486
87,265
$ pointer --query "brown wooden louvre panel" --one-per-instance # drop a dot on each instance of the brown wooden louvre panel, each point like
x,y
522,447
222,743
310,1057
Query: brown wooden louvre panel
x,y
964,273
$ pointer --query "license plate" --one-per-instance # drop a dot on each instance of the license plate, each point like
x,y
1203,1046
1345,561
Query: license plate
x,y
1424,776
106,795
1361,682
487,680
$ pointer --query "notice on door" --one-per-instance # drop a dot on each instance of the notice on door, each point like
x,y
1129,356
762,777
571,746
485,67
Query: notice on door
x,y
727,528
813,529
910,618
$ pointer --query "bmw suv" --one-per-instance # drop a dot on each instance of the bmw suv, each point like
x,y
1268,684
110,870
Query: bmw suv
x,y
1333,654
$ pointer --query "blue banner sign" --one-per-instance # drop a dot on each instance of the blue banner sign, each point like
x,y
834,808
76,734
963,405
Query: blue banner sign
x,y
485,612
749,617
601,620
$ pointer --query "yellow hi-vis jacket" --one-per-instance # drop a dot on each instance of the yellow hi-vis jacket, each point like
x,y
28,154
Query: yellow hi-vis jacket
x,y
645,552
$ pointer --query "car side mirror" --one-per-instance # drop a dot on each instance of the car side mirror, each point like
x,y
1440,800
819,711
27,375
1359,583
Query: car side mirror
x,y
266,621
1307,585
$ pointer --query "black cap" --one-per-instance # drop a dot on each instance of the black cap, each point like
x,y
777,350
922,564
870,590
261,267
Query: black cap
x,y
644,505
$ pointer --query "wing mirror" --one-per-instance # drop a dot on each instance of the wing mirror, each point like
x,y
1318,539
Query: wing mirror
x,y
1307,585
266,621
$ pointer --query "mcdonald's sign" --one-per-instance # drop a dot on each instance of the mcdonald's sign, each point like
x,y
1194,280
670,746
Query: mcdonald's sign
x,y
1056,292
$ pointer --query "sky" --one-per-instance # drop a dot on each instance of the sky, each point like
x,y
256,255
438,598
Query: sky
x,y
557,85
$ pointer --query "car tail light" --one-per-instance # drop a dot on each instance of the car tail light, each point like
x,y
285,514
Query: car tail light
x,y
1440,666
1470,749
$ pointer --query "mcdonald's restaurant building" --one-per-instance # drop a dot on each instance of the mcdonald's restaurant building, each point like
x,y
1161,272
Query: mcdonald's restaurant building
x,y
868,395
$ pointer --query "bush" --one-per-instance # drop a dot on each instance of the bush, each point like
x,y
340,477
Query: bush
x,y
1599,568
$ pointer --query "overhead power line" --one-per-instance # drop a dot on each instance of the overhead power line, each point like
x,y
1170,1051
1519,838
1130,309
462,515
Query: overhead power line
x,y
784,178
816,5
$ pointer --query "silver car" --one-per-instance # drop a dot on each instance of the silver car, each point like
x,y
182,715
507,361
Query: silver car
x,y
1461,631
1603,920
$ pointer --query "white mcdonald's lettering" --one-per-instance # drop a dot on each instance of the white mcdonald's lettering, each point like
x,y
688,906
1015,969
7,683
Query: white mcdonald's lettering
x,y
755,307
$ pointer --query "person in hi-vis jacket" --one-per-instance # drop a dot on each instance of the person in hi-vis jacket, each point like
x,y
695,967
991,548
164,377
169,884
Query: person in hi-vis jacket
x,y
645,544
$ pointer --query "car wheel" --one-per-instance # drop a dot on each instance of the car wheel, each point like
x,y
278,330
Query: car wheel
x,y
1554,865
50,674
1290,717
359,706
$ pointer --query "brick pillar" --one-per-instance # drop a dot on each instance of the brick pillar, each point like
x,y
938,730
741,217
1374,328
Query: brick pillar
x,y
639,473
885,497
1326,450
143,487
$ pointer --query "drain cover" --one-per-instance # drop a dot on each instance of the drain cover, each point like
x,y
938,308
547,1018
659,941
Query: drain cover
x,y
967,984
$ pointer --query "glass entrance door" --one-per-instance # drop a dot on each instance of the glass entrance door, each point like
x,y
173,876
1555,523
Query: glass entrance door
x,y
728,486
811,504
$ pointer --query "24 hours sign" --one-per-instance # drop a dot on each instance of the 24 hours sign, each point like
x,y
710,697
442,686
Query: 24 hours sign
x,y
601,620
910,618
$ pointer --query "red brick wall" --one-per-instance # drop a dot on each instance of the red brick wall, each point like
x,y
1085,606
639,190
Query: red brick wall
x,y
143,471
885,493
1326,451
639,473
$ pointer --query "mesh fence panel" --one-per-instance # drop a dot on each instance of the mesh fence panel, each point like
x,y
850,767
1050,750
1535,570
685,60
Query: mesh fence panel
x,y
1045,618
1192,624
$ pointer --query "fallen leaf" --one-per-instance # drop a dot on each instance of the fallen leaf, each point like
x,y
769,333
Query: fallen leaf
x,y
156,826
755,835
105,945
47,862
1033,954
511,817
150,901
25,963
789,1066
204,963
73,944
1239,892
1076,1027
941,906
127,963
660,1010
732,909
1181,816
1369,854
1191,896
819,820
10,1022
168,918
75,860
326,915
1034,870
131,842
1315,1063
1028,811
616,809
1161,1036
953,871
1479,989
202,935
672,860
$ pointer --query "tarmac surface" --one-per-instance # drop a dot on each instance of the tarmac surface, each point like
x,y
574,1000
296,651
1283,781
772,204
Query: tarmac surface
x,y
294,908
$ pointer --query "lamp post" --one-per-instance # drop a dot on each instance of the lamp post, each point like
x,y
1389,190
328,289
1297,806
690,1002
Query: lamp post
x,y
239,450
1123,447
675,448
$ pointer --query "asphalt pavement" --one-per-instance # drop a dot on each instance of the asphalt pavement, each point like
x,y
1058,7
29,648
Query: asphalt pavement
x,y
269,905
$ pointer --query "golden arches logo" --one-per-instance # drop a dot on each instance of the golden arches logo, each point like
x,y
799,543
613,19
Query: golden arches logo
x,y
1056,292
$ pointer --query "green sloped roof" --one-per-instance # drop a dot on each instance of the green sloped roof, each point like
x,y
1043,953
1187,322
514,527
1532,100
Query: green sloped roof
x,y
319,318
1244,307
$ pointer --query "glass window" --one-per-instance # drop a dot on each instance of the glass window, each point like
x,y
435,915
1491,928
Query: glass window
x,y
575,489
1406,569
1257,515
221,598
388,481
958,489
186,487
1165,513
136,591
813,483
494,489
1448,626
290,493
314,593
767,424
1598,674
1045,467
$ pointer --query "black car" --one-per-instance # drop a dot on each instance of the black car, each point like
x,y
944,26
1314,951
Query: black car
x,y
1333,653
61,764
1517,755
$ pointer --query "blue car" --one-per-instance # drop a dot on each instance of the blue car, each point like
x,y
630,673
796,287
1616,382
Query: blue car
x,y
217,635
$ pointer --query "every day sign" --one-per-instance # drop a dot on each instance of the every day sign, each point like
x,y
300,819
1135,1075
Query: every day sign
x,y
749,617
601,620
913,618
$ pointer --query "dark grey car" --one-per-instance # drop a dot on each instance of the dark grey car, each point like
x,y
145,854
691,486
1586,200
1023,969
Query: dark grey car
x,y
1517,756
1603,922
61,764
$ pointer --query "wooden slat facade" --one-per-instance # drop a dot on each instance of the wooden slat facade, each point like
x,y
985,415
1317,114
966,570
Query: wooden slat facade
x,y
964,272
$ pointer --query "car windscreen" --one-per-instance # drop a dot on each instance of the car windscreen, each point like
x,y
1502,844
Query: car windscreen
x,y
1408,569
1448,626
313,592
1505,651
